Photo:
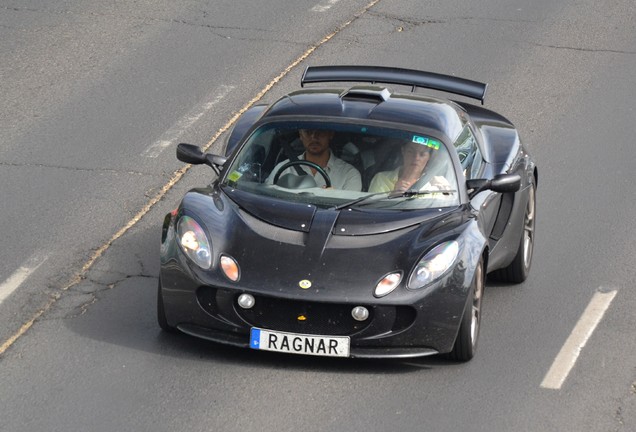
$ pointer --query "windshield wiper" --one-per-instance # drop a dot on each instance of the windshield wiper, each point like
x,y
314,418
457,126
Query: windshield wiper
x,y
360,200
392,195
412,192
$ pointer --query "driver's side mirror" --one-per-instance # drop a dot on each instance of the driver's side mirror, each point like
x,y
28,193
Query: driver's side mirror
x,y
502,183
192,154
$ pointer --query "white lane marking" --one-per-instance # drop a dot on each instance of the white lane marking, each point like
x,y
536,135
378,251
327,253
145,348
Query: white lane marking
x,y
20,275
565,360
173,134
324,6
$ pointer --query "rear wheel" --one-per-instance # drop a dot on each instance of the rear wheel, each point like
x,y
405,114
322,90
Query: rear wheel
x,y
466,341
161,313
519,268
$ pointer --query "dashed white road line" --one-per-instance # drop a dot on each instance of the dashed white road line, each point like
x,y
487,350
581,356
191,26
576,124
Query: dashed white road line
x,y
20,275
566,359
173,134
324,6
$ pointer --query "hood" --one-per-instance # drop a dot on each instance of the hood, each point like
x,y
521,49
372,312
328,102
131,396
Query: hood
x,y
341,253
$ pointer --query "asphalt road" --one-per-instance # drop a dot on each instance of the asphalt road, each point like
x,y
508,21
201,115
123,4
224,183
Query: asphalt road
x,y
95,95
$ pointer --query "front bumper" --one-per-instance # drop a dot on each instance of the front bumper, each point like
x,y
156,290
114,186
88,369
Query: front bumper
x,y
425,325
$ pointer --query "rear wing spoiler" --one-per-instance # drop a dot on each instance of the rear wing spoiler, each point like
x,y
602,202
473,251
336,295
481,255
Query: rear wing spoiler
x,y
390,75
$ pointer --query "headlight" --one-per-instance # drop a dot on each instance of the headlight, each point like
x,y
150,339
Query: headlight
x,y
194,242
434,264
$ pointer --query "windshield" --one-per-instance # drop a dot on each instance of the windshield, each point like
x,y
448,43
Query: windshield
x,y
330,164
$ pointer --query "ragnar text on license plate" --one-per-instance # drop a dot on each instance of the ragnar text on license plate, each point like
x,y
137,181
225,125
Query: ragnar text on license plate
x,y
269,340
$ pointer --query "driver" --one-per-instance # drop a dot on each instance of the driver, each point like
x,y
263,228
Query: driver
x,y
316,143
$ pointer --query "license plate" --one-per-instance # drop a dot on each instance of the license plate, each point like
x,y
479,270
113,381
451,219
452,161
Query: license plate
x,y
269,340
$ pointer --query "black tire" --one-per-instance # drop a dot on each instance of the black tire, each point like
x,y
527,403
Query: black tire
x,y
465,345
161,313
518,270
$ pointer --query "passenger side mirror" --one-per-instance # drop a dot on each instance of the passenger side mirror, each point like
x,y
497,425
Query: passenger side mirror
x,y
502,183
506,183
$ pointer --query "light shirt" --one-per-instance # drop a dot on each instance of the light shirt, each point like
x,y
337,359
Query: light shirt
x,y
341,174
384,181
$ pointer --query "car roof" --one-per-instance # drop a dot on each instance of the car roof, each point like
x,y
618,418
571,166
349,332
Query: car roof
x,y
372,102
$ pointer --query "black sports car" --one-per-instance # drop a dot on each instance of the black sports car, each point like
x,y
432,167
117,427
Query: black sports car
x,y
353,222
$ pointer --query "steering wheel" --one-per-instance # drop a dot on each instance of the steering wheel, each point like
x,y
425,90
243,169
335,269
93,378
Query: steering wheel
x,y
315,166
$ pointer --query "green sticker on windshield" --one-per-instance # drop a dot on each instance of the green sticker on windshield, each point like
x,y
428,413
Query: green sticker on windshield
x,y
428,142
234,176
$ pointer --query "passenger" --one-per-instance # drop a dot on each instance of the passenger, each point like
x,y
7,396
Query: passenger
x,y
415,159
317,150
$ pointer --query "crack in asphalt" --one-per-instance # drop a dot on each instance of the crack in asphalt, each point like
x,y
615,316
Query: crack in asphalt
x,y
491,19
214,30
145,20
411,21
97,288
416,22
406,23
619,413
68,168
19,9
591,50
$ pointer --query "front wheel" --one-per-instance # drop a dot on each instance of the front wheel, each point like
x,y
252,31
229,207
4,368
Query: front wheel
x,y
519,268
466,341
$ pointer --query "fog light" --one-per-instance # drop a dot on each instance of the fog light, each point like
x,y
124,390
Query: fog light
x,y
246,301
360,313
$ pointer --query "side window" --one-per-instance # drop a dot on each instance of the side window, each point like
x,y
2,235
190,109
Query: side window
x,y
251,160
468,152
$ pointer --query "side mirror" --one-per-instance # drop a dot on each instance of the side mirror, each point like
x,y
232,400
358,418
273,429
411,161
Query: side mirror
x,y
501,183
506,183
192,154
